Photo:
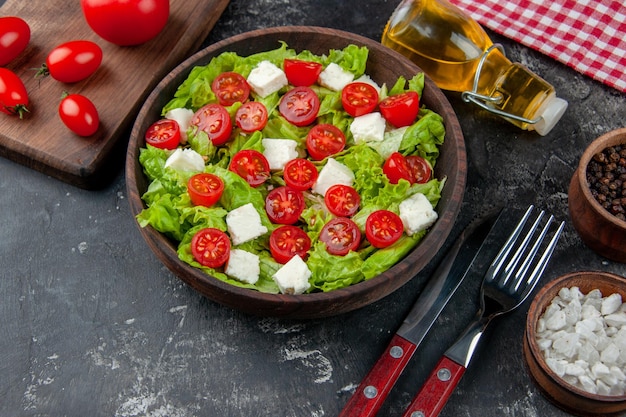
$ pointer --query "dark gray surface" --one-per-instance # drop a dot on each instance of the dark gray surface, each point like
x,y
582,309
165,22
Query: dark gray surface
x,y
91,324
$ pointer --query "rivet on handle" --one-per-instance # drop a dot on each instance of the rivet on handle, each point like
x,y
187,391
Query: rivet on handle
x,y
370,392
444,374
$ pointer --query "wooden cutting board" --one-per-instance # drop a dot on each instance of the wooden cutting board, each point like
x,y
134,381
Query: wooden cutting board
x,y
118,88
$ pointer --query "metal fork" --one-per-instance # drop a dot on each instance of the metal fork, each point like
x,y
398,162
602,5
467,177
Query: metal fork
x,y
506,284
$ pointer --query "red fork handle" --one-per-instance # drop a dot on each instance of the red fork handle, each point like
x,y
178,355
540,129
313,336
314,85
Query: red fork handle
x,y
371,393
435,392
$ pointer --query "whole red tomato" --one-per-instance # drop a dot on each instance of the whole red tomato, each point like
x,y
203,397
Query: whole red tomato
x,y
79,114
72,61
126,22
14,37
13,94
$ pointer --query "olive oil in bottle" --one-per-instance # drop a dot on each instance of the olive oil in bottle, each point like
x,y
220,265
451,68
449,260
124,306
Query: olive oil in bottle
x,y
458,55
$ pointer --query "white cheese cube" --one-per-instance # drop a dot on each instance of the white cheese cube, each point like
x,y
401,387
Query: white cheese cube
x,y
333,173
182,116
368,128
334,77
293,277
185,160
266,78
279,151
243,266
417,214
244,224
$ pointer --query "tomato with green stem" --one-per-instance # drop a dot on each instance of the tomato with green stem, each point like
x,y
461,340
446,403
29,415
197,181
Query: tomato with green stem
x,y
72,61
13,95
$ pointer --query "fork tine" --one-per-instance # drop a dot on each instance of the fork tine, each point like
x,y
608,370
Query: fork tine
x,y
512,265
531,256
543,261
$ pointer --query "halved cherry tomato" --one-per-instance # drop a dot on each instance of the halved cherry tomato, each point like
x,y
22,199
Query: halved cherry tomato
x,y
13,94
300,106
301,73
250,165
359,98
300,174
79,114
383,228
288,241
215,121
210,247
163,134
205,189
230,87
396,168
324,140
419,168
284,205
342,200
14,37
340,235
401,109
251,116
72,61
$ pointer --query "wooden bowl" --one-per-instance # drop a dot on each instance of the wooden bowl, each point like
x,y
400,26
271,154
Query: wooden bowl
x,y
566,396
599,229
385,66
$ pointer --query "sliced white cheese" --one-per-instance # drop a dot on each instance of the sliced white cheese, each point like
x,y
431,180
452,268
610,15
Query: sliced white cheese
x,y
185,160
334,77
243,266
266,78
333,173
279,151
244,224
293,277
417,214
368,128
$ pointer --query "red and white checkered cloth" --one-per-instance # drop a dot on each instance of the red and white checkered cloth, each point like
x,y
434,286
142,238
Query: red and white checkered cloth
x,y
587,35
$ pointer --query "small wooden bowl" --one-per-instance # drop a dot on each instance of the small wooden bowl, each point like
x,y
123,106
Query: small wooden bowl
x,y
600,230
566,396
385,66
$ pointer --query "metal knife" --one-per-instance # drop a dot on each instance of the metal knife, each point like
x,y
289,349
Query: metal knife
x,y
373,390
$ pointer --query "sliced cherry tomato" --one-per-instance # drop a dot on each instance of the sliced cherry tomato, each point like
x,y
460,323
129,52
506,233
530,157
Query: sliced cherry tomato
x,y
215,121
340,235
324,140
251,116
383,228
251,165
72,61
230,87
301,73
13,94
126,22
300,174
79,114
299,106
288,241
14,37
396,168
284,205
401,109
342,200
359,98
205,189
163,134
210,247
419,169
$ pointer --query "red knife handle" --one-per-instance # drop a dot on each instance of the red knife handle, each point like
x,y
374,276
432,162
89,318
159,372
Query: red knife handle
x,y
435,392
371,393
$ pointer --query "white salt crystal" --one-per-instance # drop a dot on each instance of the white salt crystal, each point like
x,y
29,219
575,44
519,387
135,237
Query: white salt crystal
x,y
599,370
556,321
617,319
588,384
611,304
574,370
589,311
557,366
610,353
567,345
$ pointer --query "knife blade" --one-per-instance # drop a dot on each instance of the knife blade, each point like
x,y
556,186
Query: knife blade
x,y
373,390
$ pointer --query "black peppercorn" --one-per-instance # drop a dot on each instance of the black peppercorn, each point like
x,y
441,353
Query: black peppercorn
x,y
606,176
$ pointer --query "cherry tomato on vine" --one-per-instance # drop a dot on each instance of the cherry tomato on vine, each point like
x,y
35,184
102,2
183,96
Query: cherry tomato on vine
x,y
205,189
72,61
342,200
250,165
340,235
14,37
210,247
301,73
251,116
13,94
299,106
359,98
126,22
79,114
396,168
284,205
383,228
288,241
324,140
300,174
163,134
230,88
215,121
401,109
419,168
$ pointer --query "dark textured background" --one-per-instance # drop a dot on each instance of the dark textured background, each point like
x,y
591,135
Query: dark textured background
x,y
91,324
